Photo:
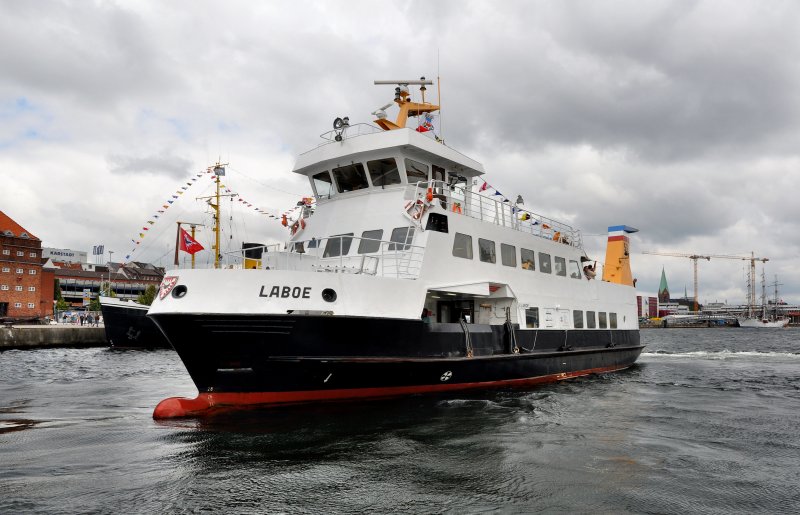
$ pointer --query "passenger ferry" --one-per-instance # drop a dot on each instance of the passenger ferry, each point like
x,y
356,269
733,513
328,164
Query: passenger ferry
x,y
400,278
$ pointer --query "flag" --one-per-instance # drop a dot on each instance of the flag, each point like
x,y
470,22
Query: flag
x,y
425,123
485,185
189,244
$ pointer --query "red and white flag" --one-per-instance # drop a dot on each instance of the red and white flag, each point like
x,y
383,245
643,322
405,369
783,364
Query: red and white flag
x,y
189,244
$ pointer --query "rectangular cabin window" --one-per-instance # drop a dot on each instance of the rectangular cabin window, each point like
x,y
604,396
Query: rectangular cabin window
x,y
612,320
601,318
313,243
561,266
402,237
532,318
577,319
370,241
462,246
416,171
350,178
383,172
574,269
338,245
487,251
508,255
544,263
323,184
527,257
590,320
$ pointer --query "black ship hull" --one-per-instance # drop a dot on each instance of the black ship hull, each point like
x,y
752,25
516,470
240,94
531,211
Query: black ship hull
x,y
268,360
129,327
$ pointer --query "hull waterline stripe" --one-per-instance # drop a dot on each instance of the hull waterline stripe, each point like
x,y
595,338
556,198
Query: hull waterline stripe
x,y
176,407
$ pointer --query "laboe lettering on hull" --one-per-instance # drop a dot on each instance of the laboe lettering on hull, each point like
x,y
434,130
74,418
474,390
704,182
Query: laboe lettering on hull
x,y
285,292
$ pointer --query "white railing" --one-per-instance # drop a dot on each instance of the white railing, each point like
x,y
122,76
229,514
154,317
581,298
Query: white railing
x,y
350,131
380,257
460,200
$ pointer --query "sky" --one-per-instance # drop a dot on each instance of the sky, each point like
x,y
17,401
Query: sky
x,y
679,118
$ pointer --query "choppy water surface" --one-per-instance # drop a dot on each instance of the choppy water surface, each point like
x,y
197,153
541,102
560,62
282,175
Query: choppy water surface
x,y
707,421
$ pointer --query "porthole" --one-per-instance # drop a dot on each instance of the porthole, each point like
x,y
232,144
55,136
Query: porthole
x,y
179,291
328,295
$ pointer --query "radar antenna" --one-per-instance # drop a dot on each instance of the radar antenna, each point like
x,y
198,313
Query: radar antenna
x,y
407,106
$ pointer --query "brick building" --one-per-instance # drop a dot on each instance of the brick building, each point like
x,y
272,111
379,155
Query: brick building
x,y
26,285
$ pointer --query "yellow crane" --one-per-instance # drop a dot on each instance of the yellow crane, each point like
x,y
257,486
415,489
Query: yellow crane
x,y
695,257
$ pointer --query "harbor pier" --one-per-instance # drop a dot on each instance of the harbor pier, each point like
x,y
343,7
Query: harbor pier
x,y
41,336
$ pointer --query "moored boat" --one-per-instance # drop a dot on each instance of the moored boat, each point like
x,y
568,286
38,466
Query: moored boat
x,y
126,325
405,280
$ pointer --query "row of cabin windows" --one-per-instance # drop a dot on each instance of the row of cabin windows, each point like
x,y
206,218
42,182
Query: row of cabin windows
x,y
462,247
339,244
378,173
603,320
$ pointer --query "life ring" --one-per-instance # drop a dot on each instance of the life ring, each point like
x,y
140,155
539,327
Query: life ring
x,y
294,228
429,195
302,223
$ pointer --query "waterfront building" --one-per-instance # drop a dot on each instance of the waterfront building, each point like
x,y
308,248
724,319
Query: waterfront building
x,y
81,281
26,282
663,289
64,255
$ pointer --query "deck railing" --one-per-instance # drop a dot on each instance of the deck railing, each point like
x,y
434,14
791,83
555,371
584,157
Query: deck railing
x,y
461,200
337,254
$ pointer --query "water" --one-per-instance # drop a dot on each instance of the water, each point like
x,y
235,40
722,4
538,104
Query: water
x,y
708,421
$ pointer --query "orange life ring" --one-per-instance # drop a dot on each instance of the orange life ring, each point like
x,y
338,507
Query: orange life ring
x,y
429,195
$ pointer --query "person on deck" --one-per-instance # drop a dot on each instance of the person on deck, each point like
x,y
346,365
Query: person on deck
x,y
589,272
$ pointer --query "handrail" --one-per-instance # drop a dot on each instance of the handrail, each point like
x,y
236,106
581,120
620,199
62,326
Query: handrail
x,y
386,258
461,200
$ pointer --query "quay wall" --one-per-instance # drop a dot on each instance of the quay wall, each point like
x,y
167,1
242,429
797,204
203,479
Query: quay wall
x,y
40,336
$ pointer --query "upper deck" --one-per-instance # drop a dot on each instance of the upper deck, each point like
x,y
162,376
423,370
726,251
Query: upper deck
x,y
363,139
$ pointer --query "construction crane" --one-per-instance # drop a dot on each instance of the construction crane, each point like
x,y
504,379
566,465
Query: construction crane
x,y
693,257
751,293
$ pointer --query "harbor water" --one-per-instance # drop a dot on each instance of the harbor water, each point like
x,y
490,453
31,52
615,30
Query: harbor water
x,y
708,421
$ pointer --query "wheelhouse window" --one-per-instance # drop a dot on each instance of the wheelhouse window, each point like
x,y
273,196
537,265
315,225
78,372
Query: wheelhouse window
x,y
544,263
602,320
383,172
561,266
402,238
338,245
612,320
590,320
416,171
574,269
350,178
577,319
532,318
527,257
323,184
508,255
462,246
487,251
370,241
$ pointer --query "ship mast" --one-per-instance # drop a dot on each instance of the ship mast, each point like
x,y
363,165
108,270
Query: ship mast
x,y
219,171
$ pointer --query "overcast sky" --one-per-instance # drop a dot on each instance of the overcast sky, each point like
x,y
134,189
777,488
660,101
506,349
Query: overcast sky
x,y
679,118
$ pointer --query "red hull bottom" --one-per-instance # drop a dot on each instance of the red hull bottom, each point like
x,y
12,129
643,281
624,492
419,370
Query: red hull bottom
x,y
209,403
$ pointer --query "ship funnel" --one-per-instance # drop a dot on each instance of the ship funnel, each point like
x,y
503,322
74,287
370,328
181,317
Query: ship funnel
x,y
617,268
